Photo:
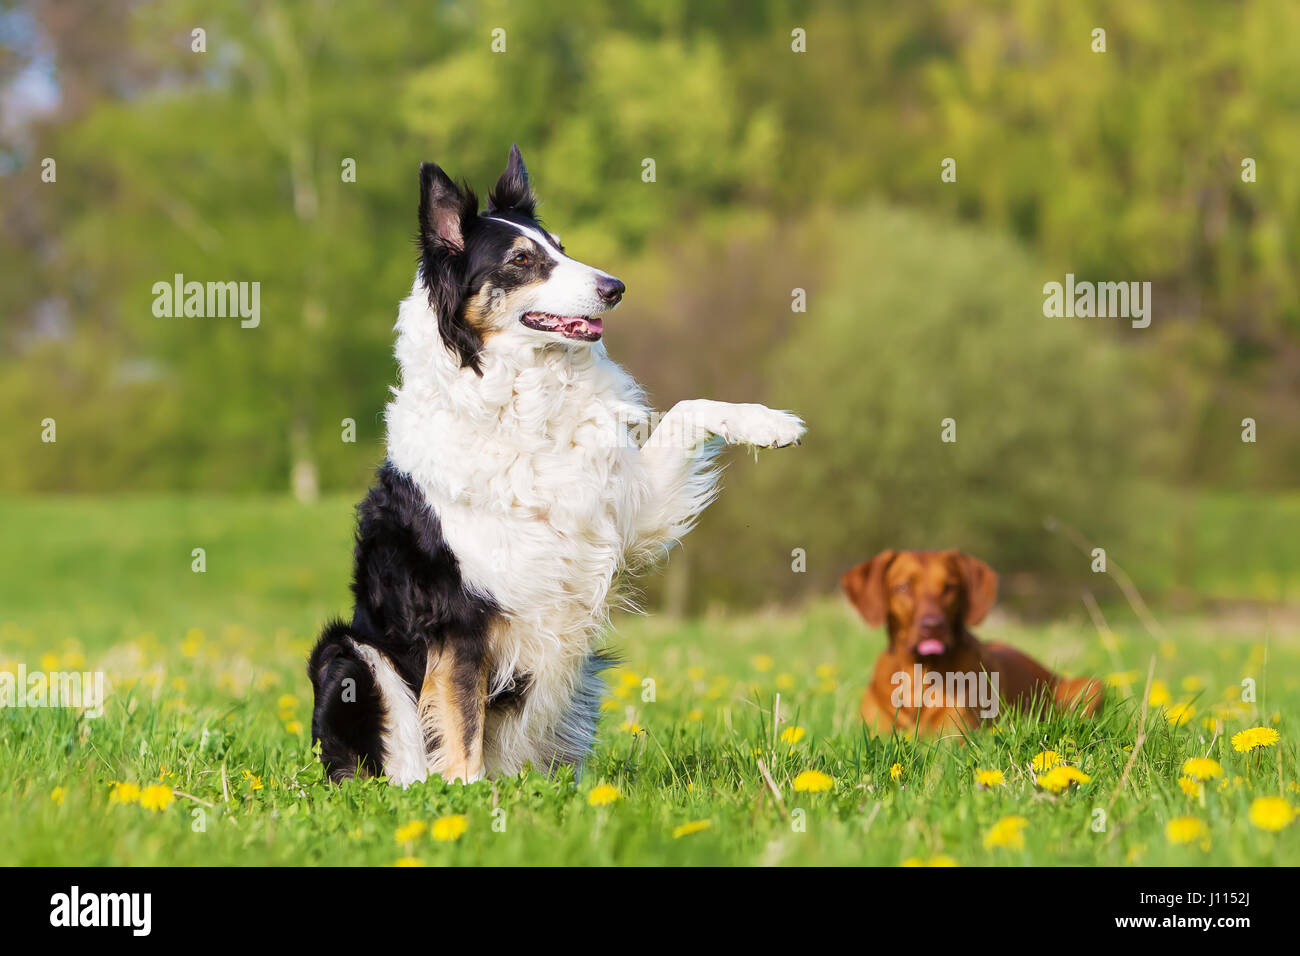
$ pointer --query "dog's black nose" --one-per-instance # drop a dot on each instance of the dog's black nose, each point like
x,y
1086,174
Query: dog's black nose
x,y
609,289
931,622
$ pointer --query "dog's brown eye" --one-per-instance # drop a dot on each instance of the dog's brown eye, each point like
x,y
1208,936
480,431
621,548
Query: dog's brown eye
x,y
520,259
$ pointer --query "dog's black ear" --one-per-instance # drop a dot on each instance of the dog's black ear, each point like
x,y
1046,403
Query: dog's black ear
x,y
445,210
513,193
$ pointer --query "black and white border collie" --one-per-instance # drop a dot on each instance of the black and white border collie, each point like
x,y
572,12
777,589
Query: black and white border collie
x,y
514,493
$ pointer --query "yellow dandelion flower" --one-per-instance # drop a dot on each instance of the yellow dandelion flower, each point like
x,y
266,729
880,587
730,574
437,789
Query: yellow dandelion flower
x,y
124,793
608,705
695,826
1122,679
1187,830
696,673
58,794
826,671
896,771
762,662
792,735
287,702
1179,714
1192,683
1202,768
603,795
449,829
1271,813
254,780
1007,833
410,831
1061,777
157,796
1254,737
193,641
1046,761
989,778
630,727
784,681
293,726
629,679
409,861
940,860
695,714
813,781
1193,788
49,662
1159,695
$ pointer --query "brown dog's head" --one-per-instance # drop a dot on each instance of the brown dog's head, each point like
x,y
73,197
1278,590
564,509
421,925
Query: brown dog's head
x,y
928,598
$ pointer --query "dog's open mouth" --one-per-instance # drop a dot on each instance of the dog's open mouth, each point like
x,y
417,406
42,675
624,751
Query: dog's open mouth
x,y
581,327
930,647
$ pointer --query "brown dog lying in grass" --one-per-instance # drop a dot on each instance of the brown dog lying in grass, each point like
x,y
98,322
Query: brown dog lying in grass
x,y
935,674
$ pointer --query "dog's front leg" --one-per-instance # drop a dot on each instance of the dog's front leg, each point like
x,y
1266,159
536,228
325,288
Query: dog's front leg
x,y
677,456
451,709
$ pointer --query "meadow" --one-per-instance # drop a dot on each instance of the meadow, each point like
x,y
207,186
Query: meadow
x,y
203,753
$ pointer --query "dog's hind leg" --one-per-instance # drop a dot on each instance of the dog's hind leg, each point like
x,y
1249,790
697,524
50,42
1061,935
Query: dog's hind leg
x,y
1081,695
404,762
347,710
363,713
451,709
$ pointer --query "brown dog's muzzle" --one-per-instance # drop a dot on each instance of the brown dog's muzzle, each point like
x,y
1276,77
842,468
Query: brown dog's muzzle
x,y
934,636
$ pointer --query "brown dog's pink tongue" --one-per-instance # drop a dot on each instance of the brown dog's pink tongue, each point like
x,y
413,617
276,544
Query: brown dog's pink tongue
x,y
930,646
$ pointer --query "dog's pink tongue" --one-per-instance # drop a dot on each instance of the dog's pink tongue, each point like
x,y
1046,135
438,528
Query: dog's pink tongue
x,y
930,646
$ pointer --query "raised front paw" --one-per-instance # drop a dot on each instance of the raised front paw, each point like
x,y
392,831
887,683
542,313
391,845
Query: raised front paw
x,y
760,426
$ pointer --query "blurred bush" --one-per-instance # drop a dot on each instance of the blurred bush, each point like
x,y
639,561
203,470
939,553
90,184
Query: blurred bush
x,y
917,321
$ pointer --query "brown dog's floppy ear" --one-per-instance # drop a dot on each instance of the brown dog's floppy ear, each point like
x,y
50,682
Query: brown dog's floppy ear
x,y
865,587
981,587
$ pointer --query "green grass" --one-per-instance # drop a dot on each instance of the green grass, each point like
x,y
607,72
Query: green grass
x,y
207,682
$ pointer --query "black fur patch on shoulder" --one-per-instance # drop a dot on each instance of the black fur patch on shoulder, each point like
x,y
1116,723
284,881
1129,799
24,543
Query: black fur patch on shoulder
x,y
406,581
